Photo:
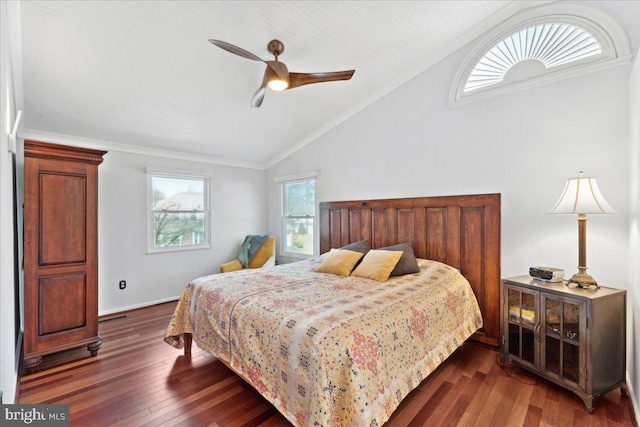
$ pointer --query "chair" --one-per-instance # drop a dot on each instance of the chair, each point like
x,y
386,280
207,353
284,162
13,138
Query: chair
x,y
265,256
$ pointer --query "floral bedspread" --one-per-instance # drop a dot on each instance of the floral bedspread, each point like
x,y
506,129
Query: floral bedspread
x,y
329,350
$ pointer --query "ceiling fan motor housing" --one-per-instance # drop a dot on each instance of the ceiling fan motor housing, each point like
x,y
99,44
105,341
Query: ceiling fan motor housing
x,y
275,47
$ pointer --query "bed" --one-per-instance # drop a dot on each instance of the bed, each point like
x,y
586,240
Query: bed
x,y
335,350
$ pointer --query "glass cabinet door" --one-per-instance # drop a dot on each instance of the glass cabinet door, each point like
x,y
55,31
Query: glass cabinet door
x,y
521,306
564,321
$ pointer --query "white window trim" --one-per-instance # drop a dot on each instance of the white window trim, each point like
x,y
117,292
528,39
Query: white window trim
x,y
612,39
297,177
172,173
306,176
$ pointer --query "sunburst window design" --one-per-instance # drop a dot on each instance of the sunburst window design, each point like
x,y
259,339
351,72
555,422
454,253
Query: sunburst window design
x,y
536,46
549,44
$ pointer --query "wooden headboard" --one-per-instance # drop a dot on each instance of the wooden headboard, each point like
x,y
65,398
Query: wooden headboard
x,y
462,231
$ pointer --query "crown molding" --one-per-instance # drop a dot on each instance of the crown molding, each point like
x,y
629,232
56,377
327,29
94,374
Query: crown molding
x,y
131,149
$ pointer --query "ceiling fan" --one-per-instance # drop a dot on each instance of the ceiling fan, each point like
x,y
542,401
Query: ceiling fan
x,y
276,76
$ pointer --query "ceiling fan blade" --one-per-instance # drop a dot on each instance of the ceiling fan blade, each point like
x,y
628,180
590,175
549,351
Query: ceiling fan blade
x,y
258,97
235,50
301,79
278,67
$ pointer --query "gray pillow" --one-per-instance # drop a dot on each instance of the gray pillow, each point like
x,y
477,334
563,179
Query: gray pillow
x,y
407,264
362,246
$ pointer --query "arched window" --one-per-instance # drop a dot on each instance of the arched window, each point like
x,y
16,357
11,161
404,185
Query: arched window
x,y
538,46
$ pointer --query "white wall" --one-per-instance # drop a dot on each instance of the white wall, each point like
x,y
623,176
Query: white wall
x,y
8,361
524,145
633,297
237,206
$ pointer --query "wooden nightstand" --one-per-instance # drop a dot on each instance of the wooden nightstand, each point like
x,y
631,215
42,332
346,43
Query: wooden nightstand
x,y
571,336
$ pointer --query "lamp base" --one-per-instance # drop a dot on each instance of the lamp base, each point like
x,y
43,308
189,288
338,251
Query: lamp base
x,y
583,280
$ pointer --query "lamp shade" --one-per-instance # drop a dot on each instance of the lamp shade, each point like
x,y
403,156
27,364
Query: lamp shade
x,y
581,196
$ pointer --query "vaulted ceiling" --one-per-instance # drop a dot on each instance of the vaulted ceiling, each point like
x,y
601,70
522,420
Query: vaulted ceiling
x,y
141,75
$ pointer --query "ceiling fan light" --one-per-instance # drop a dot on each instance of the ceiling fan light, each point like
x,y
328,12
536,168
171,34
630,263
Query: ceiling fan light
x,y
277,84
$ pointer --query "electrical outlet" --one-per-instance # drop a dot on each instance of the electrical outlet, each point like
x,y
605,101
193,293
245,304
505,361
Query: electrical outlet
x,y
122,284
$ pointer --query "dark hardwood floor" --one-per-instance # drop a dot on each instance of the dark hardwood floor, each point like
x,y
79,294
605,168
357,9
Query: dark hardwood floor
x,y
138,380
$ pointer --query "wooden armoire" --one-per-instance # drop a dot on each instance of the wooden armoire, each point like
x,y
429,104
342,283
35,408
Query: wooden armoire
x,y
60,250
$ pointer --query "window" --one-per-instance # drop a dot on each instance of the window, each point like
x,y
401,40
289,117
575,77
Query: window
x,y
298,207
178,212
538,46
551,45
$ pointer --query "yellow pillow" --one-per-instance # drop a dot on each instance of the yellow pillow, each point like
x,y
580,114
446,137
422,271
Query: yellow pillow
x,y
339,261
377,264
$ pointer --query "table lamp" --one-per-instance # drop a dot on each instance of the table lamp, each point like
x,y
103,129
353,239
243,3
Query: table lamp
x,y
581,196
